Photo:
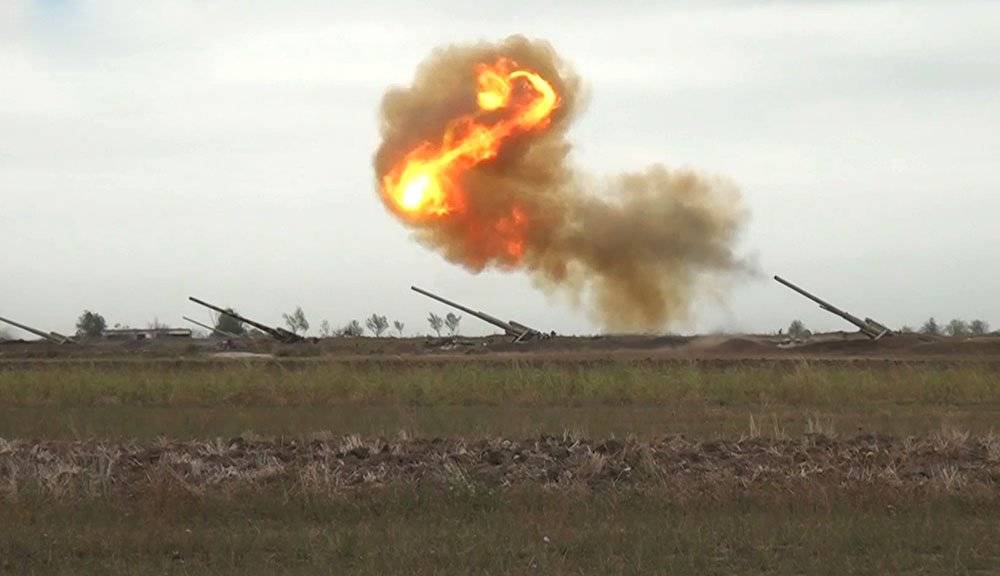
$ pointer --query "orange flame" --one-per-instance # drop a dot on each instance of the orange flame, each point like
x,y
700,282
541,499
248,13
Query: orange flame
x,y
426,184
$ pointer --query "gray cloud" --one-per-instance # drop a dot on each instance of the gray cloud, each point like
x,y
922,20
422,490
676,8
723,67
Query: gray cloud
x,y
224,150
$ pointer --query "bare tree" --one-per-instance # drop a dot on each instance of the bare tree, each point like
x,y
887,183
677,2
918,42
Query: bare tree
x,y
296,321
979,327
451,321
377,324
324,329
957,328
155,324
798,330
398,326
907,329
352,329
436,323
931,327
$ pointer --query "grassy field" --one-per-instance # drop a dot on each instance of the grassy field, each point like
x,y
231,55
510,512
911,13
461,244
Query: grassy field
x,y
504,532
246,384
926,501
196,400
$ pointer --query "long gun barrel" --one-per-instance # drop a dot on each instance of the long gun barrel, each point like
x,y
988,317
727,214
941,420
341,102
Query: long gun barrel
x,y
210,329
279,334
870,328
519,331
50,336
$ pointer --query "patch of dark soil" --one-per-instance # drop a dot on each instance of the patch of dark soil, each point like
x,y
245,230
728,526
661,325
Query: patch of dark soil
x,y
741,346
946,461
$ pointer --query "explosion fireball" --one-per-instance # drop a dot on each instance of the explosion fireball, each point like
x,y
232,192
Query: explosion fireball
x,y
475,160
425,183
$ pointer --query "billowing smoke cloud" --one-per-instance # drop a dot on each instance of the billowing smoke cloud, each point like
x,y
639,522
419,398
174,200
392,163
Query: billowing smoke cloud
x,y
636,248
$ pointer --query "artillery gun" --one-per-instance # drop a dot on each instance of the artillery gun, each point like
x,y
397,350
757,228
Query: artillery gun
x,y
211,330
278,333
870,328
520,332
50,336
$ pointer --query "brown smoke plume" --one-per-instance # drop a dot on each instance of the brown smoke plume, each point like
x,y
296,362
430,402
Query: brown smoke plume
x,y
474,157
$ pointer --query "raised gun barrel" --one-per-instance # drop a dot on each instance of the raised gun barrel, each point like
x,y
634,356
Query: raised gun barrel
x,y
520,332
869,328
50,336
279,334
210,329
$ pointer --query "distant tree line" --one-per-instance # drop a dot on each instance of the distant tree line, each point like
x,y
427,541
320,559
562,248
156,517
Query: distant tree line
x,y
93,325
956,327
379,325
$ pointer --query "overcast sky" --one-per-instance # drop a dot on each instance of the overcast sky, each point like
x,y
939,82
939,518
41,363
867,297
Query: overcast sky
x,y
156,150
